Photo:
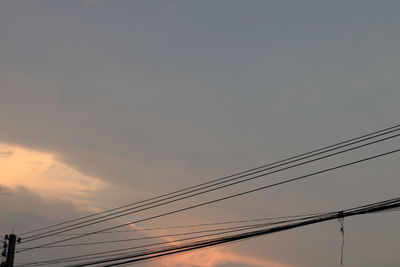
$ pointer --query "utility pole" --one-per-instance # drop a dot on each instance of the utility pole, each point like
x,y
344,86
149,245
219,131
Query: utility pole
x,y
9,246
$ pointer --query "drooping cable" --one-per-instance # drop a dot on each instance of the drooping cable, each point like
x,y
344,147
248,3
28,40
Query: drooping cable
x,y
117,261
385,131
193,225
96,220
225,198
135,248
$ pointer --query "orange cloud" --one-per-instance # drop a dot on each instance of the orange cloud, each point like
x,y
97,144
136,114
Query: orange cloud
x,y
214,257
41,173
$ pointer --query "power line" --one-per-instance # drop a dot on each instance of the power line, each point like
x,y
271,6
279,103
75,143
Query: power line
x,y
376,207
225,198
148,237
134,249
385,131
96,220
194,225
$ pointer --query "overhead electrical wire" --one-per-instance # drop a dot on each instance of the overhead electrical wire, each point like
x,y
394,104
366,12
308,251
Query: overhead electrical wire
x,y
150,237
118,215
223,198
140,230
100,254
134,249
257,170
379,206
181,248
385,131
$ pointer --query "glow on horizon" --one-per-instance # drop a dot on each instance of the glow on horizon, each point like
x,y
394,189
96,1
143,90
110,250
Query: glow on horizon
x,y
212,257
216,256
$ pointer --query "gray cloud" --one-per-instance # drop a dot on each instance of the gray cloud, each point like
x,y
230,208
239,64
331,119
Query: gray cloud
x,y
150,99
4,191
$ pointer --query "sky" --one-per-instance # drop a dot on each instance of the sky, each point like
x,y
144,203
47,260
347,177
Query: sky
x,y
104,103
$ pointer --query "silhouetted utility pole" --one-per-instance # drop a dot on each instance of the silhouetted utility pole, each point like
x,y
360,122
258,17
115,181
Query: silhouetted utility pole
x,y
9,250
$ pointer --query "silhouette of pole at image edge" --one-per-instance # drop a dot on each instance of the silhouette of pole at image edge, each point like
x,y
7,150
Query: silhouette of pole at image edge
x,y
9,250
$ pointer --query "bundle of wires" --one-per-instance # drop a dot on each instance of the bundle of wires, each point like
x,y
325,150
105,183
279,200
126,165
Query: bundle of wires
x,y
65,228
119,258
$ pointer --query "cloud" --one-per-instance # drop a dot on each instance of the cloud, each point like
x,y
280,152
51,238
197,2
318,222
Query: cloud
x,y
25,210
215,257
4,191
148,99
5,154
43,174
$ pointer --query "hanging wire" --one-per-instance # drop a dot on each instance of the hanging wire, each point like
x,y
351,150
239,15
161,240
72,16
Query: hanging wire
x,y
223,198
341,221
224,179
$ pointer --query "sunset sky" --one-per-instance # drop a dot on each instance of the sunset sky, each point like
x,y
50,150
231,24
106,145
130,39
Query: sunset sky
x,y
104,103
